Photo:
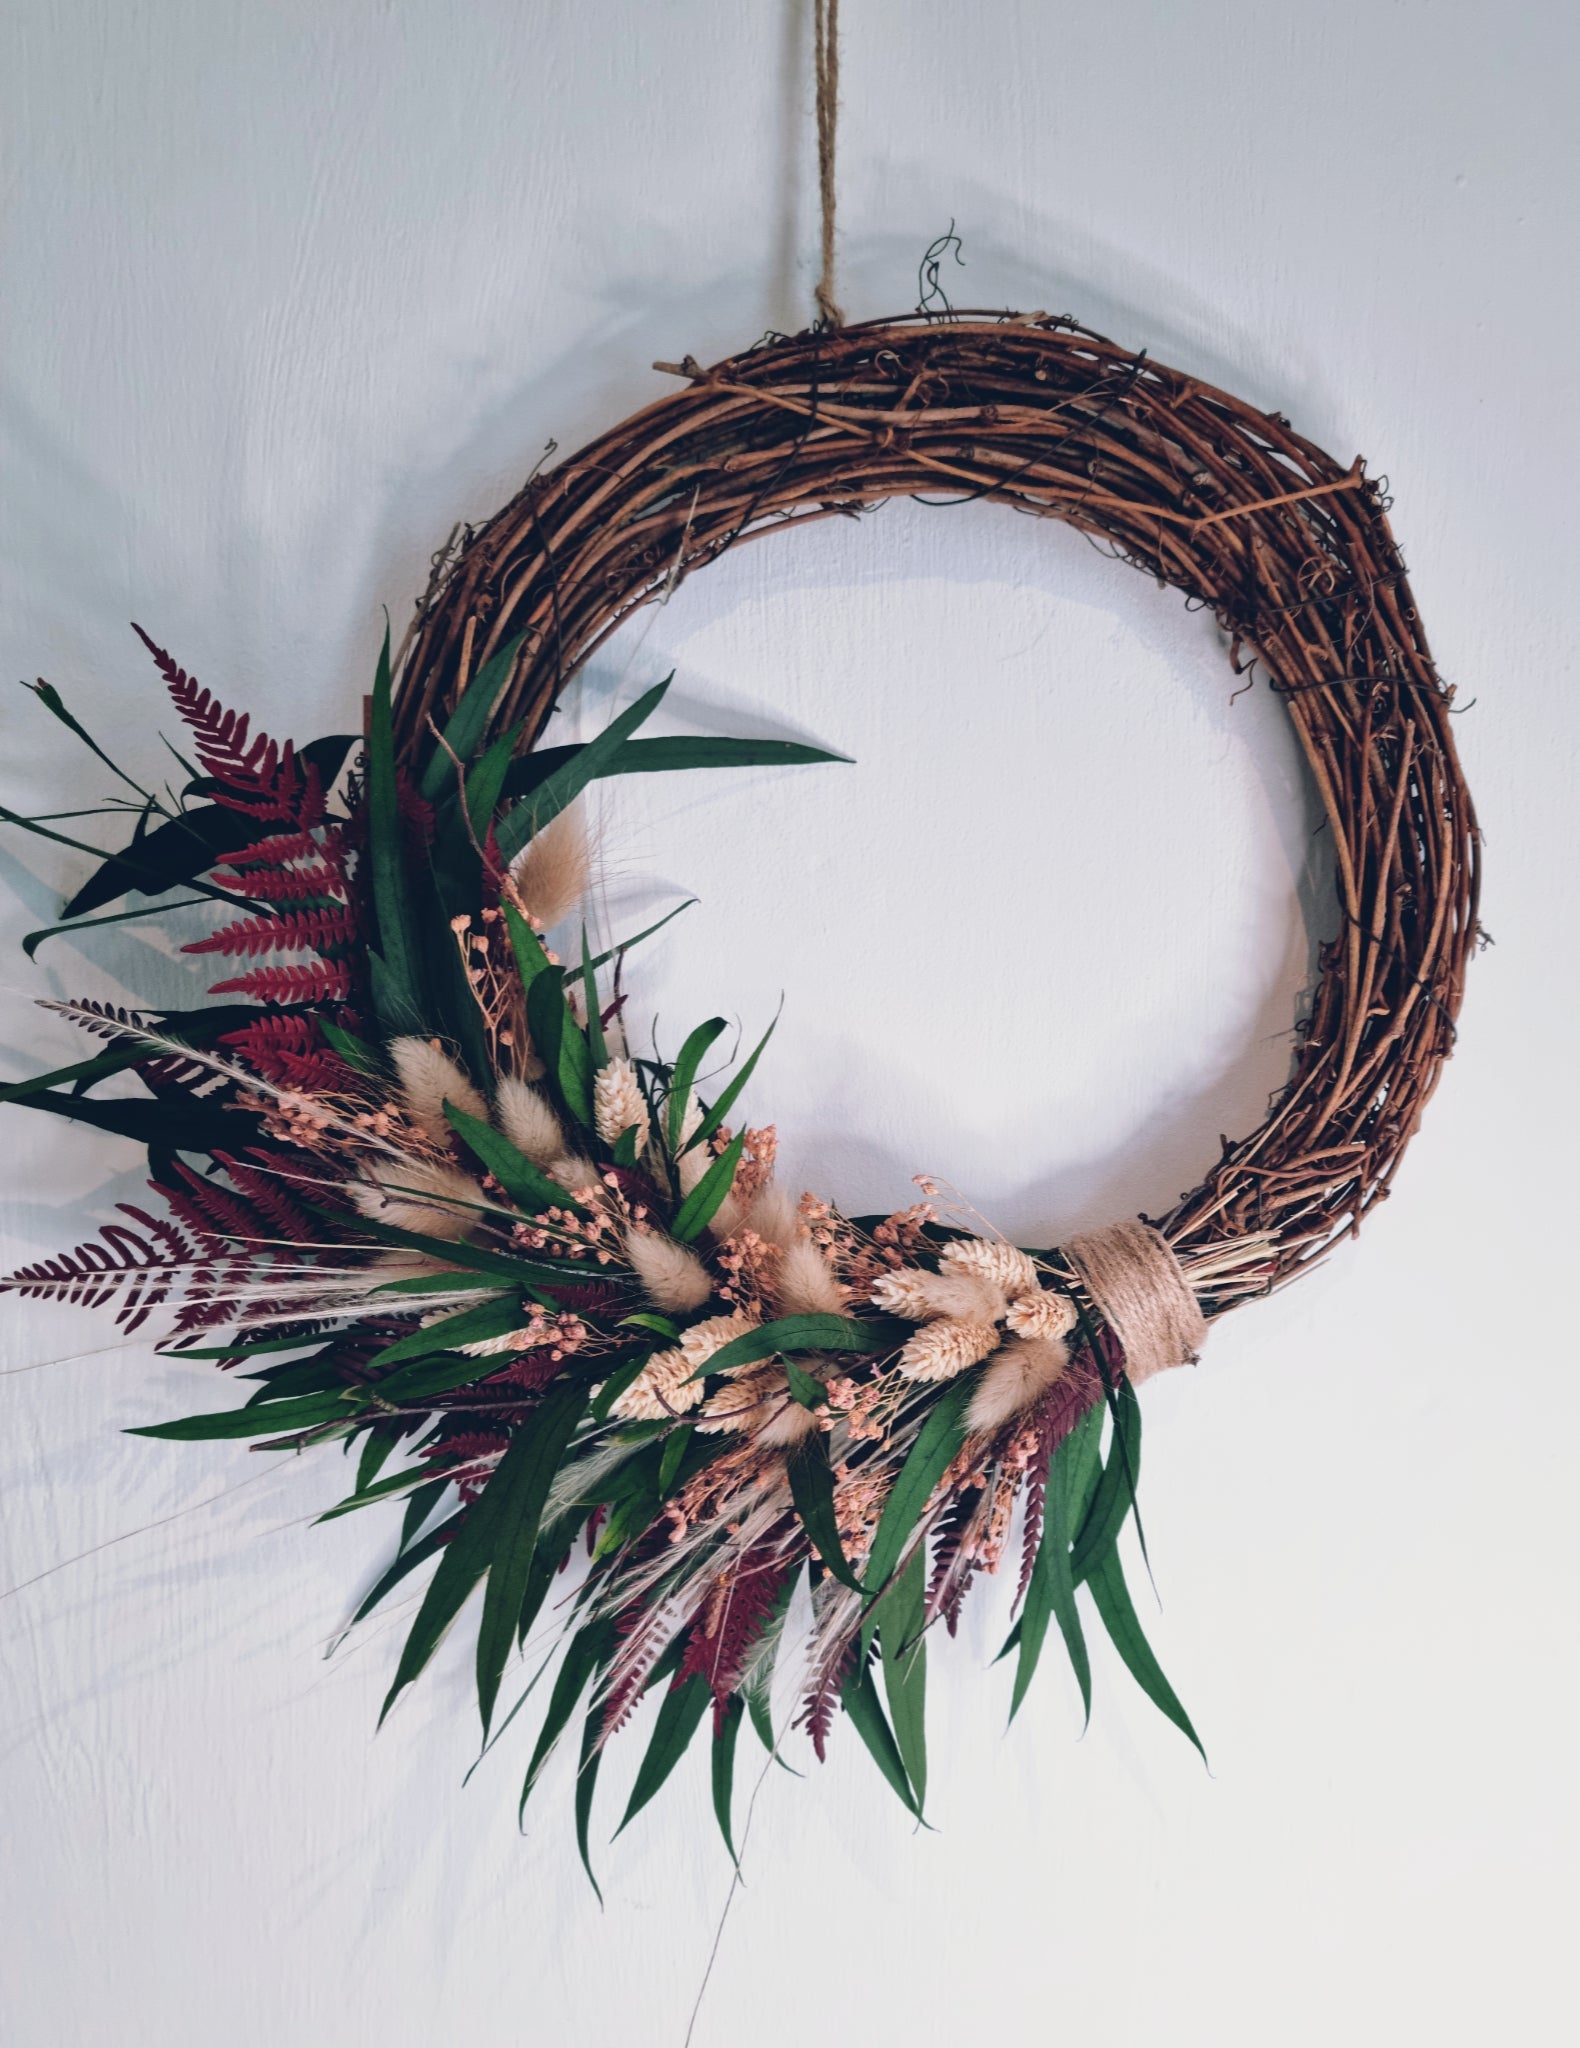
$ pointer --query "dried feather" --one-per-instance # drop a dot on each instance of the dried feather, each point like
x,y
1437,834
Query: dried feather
x,y
551,872
527,1120
429,1079
1018,1375
672,1276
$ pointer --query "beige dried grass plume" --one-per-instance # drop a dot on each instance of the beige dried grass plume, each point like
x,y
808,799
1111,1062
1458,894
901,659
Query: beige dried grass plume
x,y
395,1195
672,1276
552,870
1019,1374
429,1078
527,1120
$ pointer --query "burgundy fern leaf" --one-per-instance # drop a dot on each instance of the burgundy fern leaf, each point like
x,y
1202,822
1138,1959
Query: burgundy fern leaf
x,y
316,931
274,851
304,886
213,1213
324,981
822,1698
225,744
121,1263
730,1624
270,1201
951,1576
286,1048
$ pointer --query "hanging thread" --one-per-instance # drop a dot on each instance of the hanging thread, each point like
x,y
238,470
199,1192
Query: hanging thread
x,y
826,63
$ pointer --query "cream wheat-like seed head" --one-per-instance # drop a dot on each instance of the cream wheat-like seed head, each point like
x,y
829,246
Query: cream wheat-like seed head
x,y
943,1349
1002,1265
920,1296
618,1103
668,1374
1043,1314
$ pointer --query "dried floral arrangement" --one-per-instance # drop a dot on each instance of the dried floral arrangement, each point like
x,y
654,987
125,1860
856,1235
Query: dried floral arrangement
x,y
412,1182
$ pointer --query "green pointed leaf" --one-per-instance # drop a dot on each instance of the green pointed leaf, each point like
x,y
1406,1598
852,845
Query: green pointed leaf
x,y
375,1490
356,1052
584,1653
679,1717
421,1505
724,1771
561,789
467,723
699,1208
524,1482
596,1046
726,1101
527,1185
406,1562
904,1653
672,754
812,1490
1051,1593
615,1385
492,1318
586,1784
940,1436
270,1418
395,982
684,1076
1116,1488
489,1530
1112,1596
805,1387
376,1449
861,1703
676,1444
560,1043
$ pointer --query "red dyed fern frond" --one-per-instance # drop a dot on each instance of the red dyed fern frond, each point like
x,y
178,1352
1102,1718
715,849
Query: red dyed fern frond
x,y
226,745
286,1048
324,981
306,886
134,1269
268,1198
316,931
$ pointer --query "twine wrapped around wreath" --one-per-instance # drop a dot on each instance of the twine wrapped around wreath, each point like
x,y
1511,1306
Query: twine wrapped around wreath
x,y
1291,551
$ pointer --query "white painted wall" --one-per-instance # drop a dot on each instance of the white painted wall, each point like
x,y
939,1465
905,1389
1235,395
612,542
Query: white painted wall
x,y
288,288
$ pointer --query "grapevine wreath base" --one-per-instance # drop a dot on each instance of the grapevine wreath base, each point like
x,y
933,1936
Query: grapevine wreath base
x,y
414,1184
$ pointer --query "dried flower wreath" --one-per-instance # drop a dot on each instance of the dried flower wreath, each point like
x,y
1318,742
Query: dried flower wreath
x,y
422,1194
